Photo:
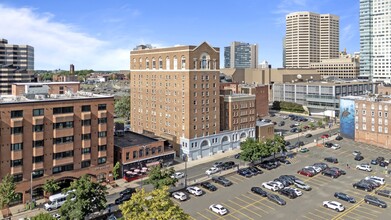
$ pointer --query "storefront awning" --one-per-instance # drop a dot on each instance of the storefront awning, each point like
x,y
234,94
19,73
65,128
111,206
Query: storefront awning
x,y
152,164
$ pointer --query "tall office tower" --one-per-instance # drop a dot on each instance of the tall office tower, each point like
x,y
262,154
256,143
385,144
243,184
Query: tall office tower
x,y
16,65
241,55
375,39
175,91
310,37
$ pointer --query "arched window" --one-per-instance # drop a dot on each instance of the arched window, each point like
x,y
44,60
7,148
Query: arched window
x,y
134,63
203,62
204,143
183,62
167,63
160,63
205,59
175,63
140,153
153,150
140,62
153,63
147,63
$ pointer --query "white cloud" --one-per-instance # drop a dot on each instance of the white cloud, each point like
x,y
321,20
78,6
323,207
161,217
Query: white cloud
x,y
58,44
347,33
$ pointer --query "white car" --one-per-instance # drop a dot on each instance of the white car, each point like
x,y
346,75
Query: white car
x,y
178,175
218,164
377,179
297,192
302,185
278,184
212,170
297,124
219,209
311,120
317,169
195,190
270,186
335,146
180,196
334,205
285,117
364,167
355,153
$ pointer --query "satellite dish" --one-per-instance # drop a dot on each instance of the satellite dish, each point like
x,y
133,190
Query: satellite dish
x,y
299,76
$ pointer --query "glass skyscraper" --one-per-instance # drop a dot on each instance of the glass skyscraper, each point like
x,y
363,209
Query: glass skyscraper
x,y
241,55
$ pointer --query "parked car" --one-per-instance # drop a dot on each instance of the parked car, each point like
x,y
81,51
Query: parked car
x,y
127,191
228,165
278,184
284,182
335,147
299,144
377,179
221,180
304,150
178,175
212,170
355,153
287,179
123,199
345,197
314,168
308,135
338,170
296,191
383,163
237,156
358,157
219,209
288,193
371,182
181,196
328,144
245,172
374,162
363,186
306,127
270,186
383,192
323,166
195,190
283,160
302,185
325,136
338,138
209,186
255,170
259,191
305,172
282,123
331,159
330,173
334,205
364,167
218,164
375,201
275,198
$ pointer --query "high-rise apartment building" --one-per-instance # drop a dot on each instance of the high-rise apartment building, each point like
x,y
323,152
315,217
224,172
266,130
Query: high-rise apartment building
x,y
346,66
241,55
175,94
375,40
309,38
16,65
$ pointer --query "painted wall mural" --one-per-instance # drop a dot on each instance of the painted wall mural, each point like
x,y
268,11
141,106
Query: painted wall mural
x,y
347,112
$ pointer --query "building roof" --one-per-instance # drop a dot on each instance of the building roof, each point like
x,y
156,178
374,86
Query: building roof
x,y
46,83
131,139
330,82
262,124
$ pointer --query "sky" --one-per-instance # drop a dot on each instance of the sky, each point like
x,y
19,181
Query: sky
x,y
99,34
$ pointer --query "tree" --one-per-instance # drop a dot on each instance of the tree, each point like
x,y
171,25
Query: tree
x,y
320,123
122,107
85,196
159,177
252,150
153,205
43,216
116,170
50,187
312,125
7,191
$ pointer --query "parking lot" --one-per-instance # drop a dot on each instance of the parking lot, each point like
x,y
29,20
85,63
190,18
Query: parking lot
x,y
243,204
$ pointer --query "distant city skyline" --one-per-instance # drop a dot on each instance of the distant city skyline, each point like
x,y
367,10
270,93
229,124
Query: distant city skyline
x,y
99,35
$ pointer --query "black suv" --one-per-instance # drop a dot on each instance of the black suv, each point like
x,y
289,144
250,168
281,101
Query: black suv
x,y
331,173
122,199
338,170
245,172
255,170
358,157
221,180
331,159
275,198
127,191
209,186
363,186
384,192
284,181
288,193
228,165
375,201
259,191
344,197
328,144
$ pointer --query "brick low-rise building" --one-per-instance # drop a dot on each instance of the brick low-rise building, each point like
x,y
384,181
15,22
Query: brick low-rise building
x,y
52,136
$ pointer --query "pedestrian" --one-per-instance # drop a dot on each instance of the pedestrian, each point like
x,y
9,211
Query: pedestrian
x,y
347,166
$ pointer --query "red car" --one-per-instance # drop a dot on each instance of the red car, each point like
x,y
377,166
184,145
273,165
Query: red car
x,y
305,173
325,136
306,127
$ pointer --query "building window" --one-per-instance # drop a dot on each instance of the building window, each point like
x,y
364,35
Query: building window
x,y
380,115
102,120
153,150
63,140
38,112
102,147
167,63
364,126
62,110
102,134
18,177
86,150
147,151
101,107
17,114
386,130
364,112
16,163
140,153
86,163
386,108
37,173
86,122
38,159
86,136
64,168
153,63
37,128
372,113
160,63
159,149
127,155
39,143
134,154
380,129
386,114
17,130
147,63
63,125
380,121
364,119
86,108
17,147
183,62
175,63
64,154
102,160
372,128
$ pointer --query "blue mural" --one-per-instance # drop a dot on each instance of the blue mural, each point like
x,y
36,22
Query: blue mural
x,y
347,111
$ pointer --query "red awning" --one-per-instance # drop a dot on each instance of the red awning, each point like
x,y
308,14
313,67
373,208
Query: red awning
x,y
152,164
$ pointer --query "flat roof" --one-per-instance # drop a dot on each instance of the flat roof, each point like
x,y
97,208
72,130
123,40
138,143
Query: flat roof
x,y
46,83
132,139
333,83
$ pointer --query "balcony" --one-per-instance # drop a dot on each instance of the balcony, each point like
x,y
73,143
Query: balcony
x,y
86,143
85,129
16,122
18,154
63,117
16,138
37,151
62,161
64,132
38,120
102,114
85,115
102,141
102,127
37,166
86,157
62,147
15,170
37,136
102,153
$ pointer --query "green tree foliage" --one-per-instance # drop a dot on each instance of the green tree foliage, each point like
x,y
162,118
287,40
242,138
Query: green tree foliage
x,y
153,205
116,170
43,216
87,195
276,145
311,125
50,186
7,191
159,177
122,107
288,106
320,123
252,150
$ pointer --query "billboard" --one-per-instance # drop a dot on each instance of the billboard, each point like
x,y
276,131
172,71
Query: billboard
x,y
347,111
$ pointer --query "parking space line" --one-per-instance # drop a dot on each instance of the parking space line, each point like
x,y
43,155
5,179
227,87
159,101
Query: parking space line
x,y
257,202
261,203
307,217
366,213
219,216
350,217
234,181
246,208
359,215
236,178
237,211
203,216
317,216
326,213
369,209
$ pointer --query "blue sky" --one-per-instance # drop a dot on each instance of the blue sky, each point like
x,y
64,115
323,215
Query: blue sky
x,y
98,34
